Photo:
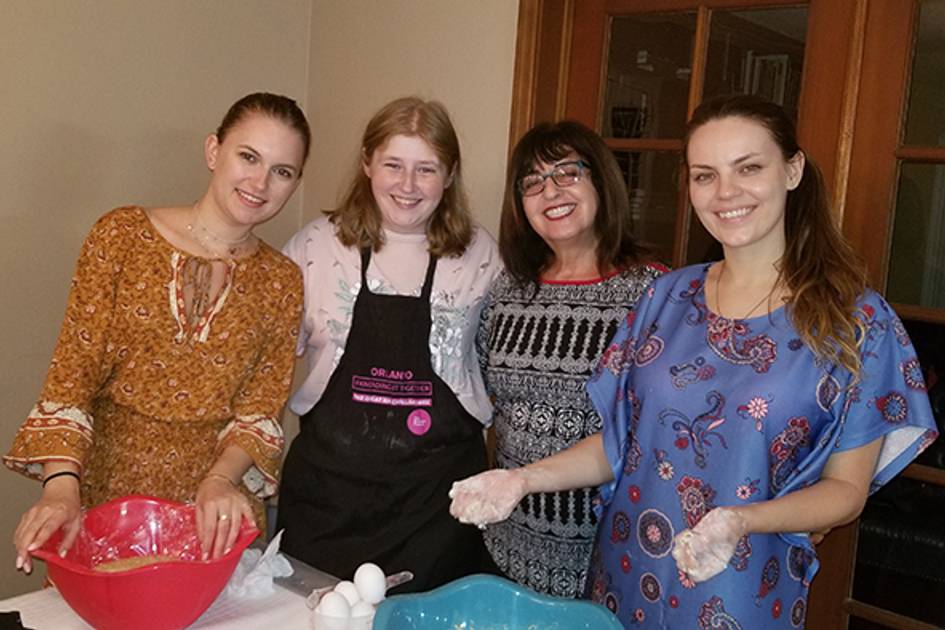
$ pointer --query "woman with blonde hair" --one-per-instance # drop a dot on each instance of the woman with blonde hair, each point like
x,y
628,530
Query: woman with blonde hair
x,y
392,405
744,403
175,357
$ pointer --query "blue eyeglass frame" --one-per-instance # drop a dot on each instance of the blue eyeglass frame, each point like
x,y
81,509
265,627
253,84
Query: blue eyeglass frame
x,y
584,166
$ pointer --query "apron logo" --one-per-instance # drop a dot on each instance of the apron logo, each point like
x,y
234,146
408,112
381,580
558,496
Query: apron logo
x,y
419,422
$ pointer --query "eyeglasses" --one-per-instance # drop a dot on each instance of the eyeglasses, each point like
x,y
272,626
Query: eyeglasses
x,y
563,175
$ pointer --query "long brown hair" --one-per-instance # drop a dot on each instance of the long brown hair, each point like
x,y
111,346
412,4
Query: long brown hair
x,y
525,254
358,219
823,274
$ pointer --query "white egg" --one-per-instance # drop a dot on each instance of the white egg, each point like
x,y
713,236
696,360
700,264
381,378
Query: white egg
x,y
362,616
321,622
334,605
370,581
350,592
362,609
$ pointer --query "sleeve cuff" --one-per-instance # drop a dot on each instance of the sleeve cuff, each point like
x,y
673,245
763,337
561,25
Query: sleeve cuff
x,y
262,439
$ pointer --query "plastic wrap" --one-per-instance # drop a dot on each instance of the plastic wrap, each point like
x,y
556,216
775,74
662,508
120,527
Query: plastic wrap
x,y
168,594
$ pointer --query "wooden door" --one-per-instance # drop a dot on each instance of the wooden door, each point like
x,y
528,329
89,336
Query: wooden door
x,y
852,99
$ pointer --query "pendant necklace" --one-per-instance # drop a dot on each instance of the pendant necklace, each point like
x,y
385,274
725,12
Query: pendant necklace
x,y
718,292
213,244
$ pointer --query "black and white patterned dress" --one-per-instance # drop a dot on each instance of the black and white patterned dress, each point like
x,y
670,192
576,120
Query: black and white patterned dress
x,y
537,352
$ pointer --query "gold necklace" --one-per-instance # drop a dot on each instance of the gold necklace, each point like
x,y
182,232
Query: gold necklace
x,y
212,243
718,294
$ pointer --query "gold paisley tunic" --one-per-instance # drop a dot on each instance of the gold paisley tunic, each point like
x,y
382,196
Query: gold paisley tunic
x,y
143,398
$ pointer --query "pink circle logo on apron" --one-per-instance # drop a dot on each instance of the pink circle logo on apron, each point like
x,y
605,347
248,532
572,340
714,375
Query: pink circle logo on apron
x,y
419,422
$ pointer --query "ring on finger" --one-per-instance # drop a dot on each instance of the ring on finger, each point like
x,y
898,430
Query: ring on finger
x,y
223,517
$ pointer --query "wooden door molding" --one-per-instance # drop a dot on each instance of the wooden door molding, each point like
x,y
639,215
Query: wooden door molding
x,y
542,51
876,132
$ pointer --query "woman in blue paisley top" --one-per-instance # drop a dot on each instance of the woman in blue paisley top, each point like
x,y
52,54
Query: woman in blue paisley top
x,y
744,402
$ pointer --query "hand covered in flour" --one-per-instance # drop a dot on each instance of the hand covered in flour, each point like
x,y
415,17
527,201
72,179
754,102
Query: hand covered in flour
x,y
488,497
704,551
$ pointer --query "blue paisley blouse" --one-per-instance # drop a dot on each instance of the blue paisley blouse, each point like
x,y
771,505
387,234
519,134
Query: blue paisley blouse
x,y
701,411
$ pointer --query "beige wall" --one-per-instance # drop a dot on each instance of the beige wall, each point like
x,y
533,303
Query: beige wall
x,y
107,103
366,52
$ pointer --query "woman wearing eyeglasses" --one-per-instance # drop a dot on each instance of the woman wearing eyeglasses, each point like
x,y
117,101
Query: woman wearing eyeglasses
x,y
572,273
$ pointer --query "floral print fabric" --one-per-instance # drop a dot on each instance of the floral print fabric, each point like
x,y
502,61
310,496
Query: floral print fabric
x,y
700,411
143,402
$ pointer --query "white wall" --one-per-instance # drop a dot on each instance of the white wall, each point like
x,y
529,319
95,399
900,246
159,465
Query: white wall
x,y
107,103
367,52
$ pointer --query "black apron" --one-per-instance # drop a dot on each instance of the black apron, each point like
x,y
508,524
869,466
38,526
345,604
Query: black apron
x,y
366,479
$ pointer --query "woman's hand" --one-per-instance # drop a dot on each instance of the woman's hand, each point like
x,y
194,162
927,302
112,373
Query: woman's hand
x,y
704,551
59,506
220,511
488,497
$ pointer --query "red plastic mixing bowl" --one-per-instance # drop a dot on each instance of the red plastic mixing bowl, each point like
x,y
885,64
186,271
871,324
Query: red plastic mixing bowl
x,y
162,596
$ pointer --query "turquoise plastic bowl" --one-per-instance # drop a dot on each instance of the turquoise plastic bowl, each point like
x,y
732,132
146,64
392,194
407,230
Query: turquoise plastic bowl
x,y
487,602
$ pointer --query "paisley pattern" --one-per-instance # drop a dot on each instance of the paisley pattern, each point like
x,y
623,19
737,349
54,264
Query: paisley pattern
x,y
714,617
143,395
912,372
655,533
783,454
719,417
731,341
698,433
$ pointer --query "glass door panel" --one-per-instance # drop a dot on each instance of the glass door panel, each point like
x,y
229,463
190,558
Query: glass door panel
x,y
925,114
648,68
917,255
758,51
653,181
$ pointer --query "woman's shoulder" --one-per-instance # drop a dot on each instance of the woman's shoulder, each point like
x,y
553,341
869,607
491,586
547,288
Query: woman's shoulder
x,y
318,231
644,273
119,224
277,262
122,216
481,246
689,276
317,244
873,307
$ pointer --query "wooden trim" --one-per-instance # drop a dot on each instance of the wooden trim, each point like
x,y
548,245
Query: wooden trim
x,y
700,55
886,618
928,474
851,91
627,7
644,144
932,155
874,167
564,59
590,35
524,81
833,583
920,313
829,50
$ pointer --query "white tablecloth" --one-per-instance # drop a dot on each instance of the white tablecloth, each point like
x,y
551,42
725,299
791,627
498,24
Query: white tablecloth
x,y
46,610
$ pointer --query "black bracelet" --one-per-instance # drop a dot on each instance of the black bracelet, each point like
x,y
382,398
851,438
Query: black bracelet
x,y
60,474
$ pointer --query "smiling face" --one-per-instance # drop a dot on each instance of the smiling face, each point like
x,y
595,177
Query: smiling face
x,y
255,169
563,216
738,184
407,181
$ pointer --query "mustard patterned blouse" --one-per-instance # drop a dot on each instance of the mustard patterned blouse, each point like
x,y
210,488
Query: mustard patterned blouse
x,y
144,401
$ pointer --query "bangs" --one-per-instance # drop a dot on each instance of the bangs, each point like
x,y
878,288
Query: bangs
x,y
547,147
